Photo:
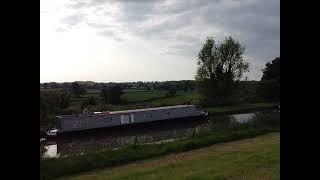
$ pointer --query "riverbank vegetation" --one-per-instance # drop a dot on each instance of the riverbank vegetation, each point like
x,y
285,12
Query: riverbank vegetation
x,y
254,158
203,136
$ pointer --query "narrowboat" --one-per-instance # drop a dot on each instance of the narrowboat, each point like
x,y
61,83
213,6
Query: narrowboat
x,y
94,120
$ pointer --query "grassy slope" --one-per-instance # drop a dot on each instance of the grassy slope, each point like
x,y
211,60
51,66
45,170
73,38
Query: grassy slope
x,y
256,158
107,158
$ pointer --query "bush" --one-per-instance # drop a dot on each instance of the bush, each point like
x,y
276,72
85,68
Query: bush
x,y
89,101
71,110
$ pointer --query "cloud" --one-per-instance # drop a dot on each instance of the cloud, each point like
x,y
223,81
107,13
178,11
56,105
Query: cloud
x,y
74,19
106,33
180,27
61,29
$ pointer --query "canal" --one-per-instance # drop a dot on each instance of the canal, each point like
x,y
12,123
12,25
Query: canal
x,y
113,138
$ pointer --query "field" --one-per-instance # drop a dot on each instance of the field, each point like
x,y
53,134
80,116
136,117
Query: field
x,y
255,158
142,95
154,98
136,99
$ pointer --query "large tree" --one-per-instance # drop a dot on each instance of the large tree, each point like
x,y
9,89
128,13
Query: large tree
x,y
220,66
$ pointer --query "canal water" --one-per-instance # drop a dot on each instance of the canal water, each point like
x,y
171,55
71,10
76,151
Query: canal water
x,y
142,134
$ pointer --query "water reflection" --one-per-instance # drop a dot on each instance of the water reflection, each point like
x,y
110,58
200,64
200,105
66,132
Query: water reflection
x,y
145,134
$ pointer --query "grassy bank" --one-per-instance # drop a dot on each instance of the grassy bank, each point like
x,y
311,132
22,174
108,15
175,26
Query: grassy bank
x,y
256,158
50,168
239,108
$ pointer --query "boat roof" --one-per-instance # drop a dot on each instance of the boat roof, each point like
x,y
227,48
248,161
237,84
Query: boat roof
x,y
149,109
133,110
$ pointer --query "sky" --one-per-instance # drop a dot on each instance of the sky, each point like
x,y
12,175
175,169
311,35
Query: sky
x,y
149,40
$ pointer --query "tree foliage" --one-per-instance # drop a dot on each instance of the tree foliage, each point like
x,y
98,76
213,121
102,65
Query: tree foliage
x,y
91,100
269,86
220,66
52,102
112,94
272,70
76,89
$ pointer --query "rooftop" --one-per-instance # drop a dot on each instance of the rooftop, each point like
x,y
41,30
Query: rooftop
x,y
131,111
149,109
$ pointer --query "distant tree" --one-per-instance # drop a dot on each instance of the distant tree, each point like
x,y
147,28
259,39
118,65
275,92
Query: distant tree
x,y
89,101
76,89
220,66
112,94
66,85
154,85
171,92
53,85
192,88
269,86
92,100
64,99
45,85
272,70
186,86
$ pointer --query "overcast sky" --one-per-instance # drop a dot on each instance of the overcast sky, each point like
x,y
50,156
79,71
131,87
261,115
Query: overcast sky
x,y
145,40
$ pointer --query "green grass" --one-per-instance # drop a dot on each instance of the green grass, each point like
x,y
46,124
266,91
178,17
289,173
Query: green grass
x,y
93,91
180,98
241,107
50,168
257,158
157,97
137,99
140,95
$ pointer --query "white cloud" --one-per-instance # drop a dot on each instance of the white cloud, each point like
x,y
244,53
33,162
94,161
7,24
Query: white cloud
x,y
149,40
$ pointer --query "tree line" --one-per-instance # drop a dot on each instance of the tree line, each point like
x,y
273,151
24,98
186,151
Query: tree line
x,y
185,85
